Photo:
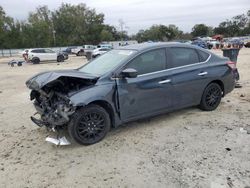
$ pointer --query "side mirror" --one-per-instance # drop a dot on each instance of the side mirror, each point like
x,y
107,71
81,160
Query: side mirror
x,y
129,73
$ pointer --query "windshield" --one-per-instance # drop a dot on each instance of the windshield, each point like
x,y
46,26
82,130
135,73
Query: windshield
x,y
106,62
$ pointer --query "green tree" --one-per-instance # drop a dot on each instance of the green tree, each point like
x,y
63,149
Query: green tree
x,y
6,25
106,35
238,25
201,30
77,24
158,33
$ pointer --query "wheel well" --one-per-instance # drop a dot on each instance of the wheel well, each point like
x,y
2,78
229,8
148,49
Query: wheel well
x,y
35,58
108,108
220,83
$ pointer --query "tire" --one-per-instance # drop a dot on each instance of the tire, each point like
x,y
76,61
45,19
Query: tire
x,y
211,97
60,58
80,53
95,56
36,60
89,125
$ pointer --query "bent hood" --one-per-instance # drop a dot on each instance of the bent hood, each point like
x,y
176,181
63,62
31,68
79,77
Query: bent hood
x,y
41,79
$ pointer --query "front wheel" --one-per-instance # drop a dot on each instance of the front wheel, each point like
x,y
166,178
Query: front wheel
x,y
89,125
60,58
211,97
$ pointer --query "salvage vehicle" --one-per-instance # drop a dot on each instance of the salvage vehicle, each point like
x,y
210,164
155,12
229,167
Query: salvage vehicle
x,y
99,51
128,84
81,51
39,54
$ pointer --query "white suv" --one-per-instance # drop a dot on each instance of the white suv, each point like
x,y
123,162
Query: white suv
x,y
38,55
81,51
99,51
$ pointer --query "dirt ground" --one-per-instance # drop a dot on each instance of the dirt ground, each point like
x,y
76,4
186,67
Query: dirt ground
x,y
188,148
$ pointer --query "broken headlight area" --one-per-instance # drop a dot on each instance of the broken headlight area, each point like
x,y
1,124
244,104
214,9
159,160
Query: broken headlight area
x,y
52,101
54,109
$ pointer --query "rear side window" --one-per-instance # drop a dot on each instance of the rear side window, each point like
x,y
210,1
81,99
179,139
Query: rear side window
x,y
203,55
148,62
38,51
182,56
48,51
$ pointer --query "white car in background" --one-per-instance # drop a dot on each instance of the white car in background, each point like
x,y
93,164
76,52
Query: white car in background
x,y
37,55
81,51
99,51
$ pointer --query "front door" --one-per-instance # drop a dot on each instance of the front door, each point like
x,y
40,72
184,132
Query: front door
x,y
50,55
150,92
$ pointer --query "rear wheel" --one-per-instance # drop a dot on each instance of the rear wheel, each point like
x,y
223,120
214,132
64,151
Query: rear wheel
x,y
81,53
36,60
89,125
211,97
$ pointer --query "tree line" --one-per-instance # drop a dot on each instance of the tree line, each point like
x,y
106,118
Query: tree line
x,y
78,24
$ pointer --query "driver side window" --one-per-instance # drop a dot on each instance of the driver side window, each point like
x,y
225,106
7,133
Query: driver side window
x,y
148,62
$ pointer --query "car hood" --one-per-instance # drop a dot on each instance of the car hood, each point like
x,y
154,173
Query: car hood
x,y
39,80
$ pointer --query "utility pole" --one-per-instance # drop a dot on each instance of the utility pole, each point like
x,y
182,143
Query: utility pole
x,y
54,34
121,24
54,37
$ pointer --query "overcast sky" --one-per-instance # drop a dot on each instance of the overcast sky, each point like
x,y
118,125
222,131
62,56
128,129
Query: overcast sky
x,y
141,14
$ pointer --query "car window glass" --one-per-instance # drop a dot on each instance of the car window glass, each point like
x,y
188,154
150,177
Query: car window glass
x,y
149,62
37,51
48,51
182,56
203,55
106,62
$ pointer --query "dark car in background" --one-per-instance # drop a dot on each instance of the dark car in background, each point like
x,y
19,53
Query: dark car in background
x,y
69,49
127,84
202,44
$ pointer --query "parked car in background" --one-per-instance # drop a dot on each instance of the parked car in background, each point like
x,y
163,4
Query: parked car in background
x,y
247,44
65,55
213,44
200,43
81,51
69,49
99,51
39,54
105,45
127,84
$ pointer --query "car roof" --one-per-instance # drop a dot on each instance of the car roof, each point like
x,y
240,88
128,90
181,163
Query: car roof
x,y
154,45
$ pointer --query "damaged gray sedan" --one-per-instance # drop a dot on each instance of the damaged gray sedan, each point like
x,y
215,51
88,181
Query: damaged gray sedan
x,y
128,84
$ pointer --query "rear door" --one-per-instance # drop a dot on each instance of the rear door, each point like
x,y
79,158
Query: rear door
x,y
189,75
150,92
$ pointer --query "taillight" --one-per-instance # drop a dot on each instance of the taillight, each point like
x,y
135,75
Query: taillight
x,y
231,64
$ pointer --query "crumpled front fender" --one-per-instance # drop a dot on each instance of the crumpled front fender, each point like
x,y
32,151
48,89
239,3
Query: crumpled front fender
x,y
103,92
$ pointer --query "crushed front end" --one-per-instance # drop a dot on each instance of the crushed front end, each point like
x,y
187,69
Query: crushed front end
x,y
50,93
53,107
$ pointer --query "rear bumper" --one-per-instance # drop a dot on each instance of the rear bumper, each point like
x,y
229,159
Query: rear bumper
x,y
229,82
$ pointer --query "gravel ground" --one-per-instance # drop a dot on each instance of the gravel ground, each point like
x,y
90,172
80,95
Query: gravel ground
x,y
187,148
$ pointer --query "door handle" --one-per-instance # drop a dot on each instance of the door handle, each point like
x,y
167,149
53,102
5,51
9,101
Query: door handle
x,y
202,73
164,81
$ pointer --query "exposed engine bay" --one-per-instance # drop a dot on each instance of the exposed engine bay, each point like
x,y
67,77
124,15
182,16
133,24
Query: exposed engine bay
x,y
52,101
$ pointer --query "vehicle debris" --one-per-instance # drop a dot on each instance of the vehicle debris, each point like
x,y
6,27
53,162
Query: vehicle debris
x,y
242,130
17,62
60,141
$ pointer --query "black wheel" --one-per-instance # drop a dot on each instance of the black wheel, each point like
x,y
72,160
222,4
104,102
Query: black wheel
x,y
36,60
211,97
89,125
95,56
81,53
60,58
